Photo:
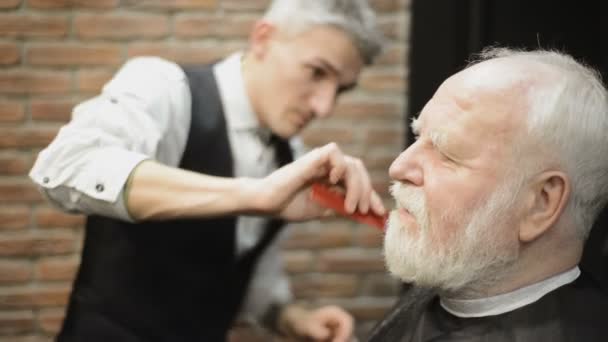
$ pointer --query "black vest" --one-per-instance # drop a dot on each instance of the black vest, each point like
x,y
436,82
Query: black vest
x,y
174,280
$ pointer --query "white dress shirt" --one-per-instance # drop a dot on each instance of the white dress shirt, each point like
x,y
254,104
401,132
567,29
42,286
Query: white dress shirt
x,y
510,301
144,113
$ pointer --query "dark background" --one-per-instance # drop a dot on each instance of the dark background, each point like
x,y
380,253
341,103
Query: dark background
x,y
445,33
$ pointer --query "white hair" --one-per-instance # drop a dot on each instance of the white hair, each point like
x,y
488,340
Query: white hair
x,y
355,17
568,118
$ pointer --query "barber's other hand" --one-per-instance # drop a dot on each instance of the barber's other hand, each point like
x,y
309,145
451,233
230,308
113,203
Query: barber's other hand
x,y
286,192
327,324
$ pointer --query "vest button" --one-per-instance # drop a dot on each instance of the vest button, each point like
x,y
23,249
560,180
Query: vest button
x,y
99,187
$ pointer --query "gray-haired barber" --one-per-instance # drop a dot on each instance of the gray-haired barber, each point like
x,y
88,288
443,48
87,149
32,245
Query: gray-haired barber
x,y
179,171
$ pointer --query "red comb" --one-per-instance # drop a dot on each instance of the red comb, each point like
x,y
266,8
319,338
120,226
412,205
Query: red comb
x,y
324,196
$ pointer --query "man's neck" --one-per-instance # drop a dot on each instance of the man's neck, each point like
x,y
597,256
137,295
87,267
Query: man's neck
x,y
510,301
533,266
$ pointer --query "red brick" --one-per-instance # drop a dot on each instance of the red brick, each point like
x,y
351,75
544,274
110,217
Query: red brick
x,y
319,135
53,218
57,4
173,4
369,238
249,5
26,137
371,109
206,26
16,322
8,4
350,261
387,81
25,82
9,54
50,320
14,165
182,53
22,298
392,55
62,54
121,26
17,25
28,338
11,111
381,186
326,285
297,262
380,286
12,271
36,244
327,236
14,218
52,110
57,268
368,309
379,161
392,136
91,81
386,5
19,192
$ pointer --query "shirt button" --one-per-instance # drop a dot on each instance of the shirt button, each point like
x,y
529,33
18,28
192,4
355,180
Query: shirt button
x,y
45,180
99,187
113,100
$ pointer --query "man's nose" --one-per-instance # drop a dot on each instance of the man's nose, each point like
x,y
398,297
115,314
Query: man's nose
x,y
407,167
323,101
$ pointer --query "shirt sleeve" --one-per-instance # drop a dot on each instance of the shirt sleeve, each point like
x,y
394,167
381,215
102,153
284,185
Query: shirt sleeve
x,y
269,284
142,113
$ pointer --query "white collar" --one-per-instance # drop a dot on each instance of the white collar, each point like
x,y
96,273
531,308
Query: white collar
x,y
237,107
508,301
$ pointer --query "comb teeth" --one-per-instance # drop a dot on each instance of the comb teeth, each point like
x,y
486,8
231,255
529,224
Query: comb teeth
x,y
327,198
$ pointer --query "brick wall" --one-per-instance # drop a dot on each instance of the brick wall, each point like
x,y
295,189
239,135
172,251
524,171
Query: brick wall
x,y
55,53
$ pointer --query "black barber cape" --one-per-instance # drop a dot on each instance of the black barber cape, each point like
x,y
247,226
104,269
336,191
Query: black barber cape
x,y
576,312
177,280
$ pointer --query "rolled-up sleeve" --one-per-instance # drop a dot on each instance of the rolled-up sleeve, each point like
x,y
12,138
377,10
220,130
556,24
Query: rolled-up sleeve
x,y
142,113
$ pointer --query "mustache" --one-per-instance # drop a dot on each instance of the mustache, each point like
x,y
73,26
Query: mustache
x,y
411,199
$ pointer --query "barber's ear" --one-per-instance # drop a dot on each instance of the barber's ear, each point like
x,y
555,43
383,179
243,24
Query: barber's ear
x,y
544,204
260,37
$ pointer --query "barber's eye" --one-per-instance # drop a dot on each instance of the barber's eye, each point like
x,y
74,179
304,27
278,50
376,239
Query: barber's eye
x,y
318,73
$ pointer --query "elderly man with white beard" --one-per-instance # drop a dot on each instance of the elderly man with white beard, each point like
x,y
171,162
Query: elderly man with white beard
x,y
494,202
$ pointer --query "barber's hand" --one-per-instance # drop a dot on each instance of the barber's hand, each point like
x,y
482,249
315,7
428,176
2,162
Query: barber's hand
x,y
327,324
286,192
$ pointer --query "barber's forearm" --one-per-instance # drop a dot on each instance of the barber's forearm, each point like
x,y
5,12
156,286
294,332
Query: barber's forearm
x,y
159,192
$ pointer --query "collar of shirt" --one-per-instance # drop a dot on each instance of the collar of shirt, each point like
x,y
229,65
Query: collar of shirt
x,y
510,301
238,110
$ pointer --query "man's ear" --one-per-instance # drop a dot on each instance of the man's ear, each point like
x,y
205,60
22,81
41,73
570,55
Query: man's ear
x,y
260,37
544,204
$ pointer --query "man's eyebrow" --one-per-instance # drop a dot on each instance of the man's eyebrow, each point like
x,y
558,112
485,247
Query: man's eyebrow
x,y
415,126
438,138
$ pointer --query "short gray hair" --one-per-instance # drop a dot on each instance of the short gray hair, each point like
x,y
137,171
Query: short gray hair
x,y
568,118
355,17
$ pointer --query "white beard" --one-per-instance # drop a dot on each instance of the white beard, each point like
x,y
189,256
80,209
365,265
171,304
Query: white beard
x,y
451,262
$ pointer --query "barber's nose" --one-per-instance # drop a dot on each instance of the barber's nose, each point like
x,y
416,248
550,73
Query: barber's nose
x,y
407,167
323,101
